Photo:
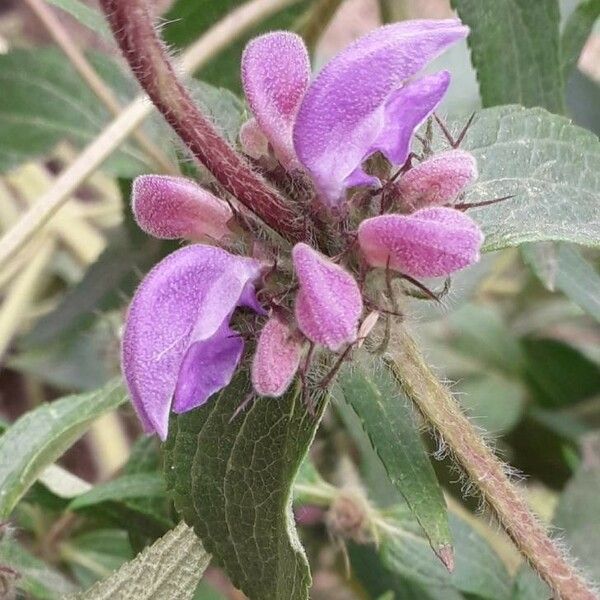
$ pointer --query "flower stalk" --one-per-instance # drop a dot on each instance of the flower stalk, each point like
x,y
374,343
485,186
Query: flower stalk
x,y
132,26
484,469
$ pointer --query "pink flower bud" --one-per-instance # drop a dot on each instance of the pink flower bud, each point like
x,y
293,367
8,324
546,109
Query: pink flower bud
x,y
438,180
276,358
428,243
174,207
329,302
253,140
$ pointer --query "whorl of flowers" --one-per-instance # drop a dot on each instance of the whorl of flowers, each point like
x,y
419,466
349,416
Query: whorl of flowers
x,y
339,148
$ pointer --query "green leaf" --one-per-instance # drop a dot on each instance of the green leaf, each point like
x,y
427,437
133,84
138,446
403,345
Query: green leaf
x,y
493,402
123,488
231,478
558,374
528,585
44,101
576,31
221,106
368,568
187,20
170,568
550,165
36,578
41,435
95,554
475,348
76,361
387,418
577,511
563,267
479,570
480,332
515,51
87,16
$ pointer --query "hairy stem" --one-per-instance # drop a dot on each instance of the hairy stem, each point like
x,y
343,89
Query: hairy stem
x,y
133,29
485,470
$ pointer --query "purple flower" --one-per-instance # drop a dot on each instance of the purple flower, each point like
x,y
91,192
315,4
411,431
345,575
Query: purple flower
x,y
428,243
174,207
437,180
178,348
275,74
368,98
276,359
329,302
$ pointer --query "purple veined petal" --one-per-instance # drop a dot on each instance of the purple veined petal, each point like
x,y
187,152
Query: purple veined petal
x,y
343,114
438,180
207,367
276,359
173,207
275,76
329,303
253,140
428,243
187,298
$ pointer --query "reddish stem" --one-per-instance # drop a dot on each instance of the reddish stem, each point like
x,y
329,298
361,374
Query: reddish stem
x,y
146,54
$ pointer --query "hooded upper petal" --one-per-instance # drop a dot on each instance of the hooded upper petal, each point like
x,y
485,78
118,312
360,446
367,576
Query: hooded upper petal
x,y
347,109
428,243
174,207
275,76
329,302
177,325
438,180
276,359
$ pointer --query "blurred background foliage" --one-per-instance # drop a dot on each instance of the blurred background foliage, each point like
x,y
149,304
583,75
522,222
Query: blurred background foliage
x,y
518,333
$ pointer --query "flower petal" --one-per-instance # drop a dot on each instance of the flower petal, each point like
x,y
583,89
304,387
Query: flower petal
x,y
275,75
428,243
207,367
174,207
329,302
438,180
253,140
276,359
341,115
188,297
397,120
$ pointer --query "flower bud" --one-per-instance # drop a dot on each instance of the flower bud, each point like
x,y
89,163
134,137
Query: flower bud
x,y
174,207
253,140
428,243
276,358
329,302
438,180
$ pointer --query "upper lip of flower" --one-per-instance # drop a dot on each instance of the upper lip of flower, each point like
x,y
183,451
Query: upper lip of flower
x,y
343,117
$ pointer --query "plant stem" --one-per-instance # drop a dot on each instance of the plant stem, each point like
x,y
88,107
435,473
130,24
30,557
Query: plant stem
x,y
484,469
94,81
146,54
213,41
